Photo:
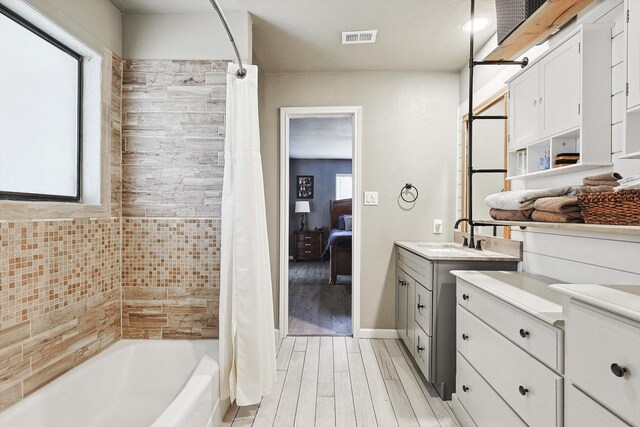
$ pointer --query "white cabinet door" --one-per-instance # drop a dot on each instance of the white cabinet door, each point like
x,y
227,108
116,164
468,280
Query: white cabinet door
x,y
402,285
633,53
523,109
559,101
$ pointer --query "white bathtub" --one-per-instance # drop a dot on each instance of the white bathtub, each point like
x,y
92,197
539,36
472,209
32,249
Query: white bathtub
x,y
134,383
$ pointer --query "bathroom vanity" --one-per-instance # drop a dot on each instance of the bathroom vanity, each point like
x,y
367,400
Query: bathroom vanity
x,y
426,303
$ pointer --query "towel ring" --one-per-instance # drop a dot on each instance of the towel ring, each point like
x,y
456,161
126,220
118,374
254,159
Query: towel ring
x,y
407,189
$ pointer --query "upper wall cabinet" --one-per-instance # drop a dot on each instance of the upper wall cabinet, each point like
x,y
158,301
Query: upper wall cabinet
x,y
560,106
632,117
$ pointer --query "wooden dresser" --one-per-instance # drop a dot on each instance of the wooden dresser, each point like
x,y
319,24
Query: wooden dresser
x,y
308,245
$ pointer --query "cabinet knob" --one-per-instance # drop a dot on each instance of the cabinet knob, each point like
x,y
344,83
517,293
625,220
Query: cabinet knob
x,y
465,297
523,391
524,334
465,337
535,102
402,283
421,306
465,388
419,348
618,371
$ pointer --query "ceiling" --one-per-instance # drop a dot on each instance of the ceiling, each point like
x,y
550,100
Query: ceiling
x,y
320,138
304,35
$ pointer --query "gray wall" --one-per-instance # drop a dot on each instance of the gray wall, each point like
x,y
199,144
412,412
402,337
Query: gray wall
x,y
408,135
324,172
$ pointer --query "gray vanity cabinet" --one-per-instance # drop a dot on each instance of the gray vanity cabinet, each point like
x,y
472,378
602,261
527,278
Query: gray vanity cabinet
x,y
426,311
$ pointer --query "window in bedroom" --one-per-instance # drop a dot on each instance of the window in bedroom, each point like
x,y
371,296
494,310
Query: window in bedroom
x,y
40,114
344,186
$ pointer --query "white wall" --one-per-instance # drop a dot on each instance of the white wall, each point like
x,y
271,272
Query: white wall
x,y
408,135
186,36
579,257
97,23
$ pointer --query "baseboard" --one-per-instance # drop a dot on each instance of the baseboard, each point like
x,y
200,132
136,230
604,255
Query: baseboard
x,y
379,333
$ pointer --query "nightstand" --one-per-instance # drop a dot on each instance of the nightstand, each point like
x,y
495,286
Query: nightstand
x,y
308,245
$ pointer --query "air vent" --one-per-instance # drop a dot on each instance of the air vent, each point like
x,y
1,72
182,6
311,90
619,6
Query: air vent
x,y
358,37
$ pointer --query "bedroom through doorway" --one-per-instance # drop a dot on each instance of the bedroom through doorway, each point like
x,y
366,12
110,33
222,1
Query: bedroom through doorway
x,y
320,224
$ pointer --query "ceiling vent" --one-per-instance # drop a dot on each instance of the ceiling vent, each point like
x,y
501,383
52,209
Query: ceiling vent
x,y
359,37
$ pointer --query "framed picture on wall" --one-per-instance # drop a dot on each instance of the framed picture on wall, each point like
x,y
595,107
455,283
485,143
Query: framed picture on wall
x,y
305,186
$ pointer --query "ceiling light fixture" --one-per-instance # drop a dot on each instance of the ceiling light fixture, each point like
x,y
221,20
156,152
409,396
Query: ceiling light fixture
x,y
478,25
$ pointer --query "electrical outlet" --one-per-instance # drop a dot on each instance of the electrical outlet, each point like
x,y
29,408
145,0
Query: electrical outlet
x,y
371,198
437,226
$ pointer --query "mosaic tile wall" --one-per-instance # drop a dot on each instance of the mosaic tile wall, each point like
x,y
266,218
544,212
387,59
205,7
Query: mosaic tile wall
x,y
59,299
172,163
171,270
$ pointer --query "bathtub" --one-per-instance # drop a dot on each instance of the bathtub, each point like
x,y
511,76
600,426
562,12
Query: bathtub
x,y
134,383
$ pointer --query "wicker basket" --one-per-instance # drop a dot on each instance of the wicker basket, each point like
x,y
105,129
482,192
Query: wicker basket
x,y
617,208
512,13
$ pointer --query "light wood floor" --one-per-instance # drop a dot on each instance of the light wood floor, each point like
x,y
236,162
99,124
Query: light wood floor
x,y
315,306
342,382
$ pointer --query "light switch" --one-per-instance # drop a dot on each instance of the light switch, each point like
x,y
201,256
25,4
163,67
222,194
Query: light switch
x,y
437,226
371,198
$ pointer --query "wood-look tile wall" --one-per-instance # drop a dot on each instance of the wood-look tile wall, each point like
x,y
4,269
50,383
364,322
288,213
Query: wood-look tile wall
x,y
172,163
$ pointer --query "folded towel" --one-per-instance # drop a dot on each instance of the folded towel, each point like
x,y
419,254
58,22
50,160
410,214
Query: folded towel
x,y
522,199
563,204
631,183
587,189
629,179
610,178
519,215
556,217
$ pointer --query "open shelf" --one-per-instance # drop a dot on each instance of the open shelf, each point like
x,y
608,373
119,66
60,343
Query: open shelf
x,y
558,171
550,17
595,228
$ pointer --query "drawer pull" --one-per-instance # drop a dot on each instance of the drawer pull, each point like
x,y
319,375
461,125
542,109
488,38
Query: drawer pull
x,y
421,306
524,334
419,348
465,388
465,297
465,337
523,391
618,371
402,283
307,252
307,244
308,237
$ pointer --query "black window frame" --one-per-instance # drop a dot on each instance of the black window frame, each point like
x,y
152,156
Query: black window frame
x,y
36,197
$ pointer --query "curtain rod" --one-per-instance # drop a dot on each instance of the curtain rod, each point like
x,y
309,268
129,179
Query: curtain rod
x,y
242,72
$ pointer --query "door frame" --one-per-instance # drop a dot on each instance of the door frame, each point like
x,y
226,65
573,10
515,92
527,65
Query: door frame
x,y
286,114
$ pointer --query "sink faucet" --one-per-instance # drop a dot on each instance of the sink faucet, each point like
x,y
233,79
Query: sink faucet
x,y
457,224
466,242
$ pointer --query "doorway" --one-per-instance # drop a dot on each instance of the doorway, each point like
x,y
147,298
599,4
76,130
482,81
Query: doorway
x,y
319,221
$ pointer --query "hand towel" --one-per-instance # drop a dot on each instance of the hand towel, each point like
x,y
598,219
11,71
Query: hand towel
x,y
610,178
522,199
563,204
556,217
519,215
587,189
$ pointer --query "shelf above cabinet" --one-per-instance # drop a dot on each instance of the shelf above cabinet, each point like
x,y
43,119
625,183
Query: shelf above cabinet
x,y
550,17
595,228
558,171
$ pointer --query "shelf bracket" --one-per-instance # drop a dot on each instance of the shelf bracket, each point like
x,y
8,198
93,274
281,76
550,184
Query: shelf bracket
x,y
523,63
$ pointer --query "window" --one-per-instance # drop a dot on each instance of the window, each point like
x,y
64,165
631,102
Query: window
x,y
40,114
344,186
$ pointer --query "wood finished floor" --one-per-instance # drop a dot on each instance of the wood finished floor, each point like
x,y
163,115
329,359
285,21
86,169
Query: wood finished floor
x,y
315,307
343,382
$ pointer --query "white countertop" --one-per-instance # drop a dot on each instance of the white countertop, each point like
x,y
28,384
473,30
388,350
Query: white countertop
x,y
530,293
621,299
446,251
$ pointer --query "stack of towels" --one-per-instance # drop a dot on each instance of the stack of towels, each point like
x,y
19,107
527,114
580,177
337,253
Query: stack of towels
x,y
521,205
599,183
631,183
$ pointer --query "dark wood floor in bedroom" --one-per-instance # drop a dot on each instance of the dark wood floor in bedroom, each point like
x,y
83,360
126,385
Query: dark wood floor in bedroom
x,y
315,307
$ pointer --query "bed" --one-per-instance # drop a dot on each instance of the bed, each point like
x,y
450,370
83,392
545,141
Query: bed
x,y
338,248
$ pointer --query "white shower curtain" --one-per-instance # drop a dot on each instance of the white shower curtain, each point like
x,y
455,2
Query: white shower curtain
x,y
247,341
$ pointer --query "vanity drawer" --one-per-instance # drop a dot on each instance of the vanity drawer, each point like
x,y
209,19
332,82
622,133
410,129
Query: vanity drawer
x,y
482,402
421,269
422,355
597,344
541,340
423,308
582,411
532,390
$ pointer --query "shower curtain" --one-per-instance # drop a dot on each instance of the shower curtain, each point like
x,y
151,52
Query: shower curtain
x,y
247,340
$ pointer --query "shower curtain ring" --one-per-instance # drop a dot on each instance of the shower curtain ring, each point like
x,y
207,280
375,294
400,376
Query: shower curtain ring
x,y
241,74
